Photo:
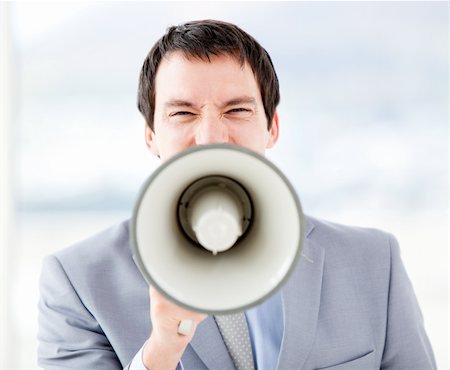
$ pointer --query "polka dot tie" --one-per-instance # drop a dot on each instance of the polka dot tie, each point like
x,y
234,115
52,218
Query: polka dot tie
x,y
234,332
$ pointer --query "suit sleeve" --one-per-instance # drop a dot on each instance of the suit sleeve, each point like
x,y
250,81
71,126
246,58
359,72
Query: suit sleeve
x,y
69,337
138,364
407,346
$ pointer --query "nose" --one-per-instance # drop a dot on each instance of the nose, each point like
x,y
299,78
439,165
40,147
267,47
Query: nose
x,y
211,131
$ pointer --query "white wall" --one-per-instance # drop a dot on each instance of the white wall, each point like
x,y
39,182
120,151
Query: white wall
x,y
6,204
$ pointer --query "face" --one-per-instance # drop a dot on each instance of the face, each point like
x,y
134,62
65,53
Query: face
x,y
200,102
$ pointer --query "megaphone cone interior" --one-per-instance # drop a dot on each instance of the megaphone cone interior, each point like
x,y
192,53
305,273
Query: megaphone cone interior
x,y
246,268
215,211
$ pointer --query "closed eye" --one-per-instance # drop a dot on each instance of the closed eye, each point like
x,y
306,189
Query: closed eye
x,y
238,110
181,113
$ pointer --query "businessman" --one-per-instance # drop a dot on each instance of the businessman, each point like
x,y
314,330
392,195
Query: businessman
x,y
348,304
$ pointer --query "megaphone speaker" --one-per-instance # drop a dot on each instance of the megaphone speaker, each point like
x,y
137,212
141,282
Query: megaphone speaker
x,y
217,229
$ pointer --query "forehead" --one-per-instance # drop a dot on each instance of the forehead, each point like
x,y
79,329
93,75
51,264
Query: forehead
x,y
189,75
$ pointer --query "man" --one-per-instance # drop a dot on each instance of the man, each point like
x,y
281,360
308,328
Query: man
x,y
348,304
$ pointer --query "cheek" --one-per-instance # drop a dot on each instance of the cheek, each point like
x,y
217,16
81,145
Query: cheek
x,y
251,138
172,141
169,132
180,136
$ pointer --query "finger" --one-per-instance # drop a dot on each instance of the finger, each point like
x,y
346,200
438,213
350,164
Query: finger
x,y
185,327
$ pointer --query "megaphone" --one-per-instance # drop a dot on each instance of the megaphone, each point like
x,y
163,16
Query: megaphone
x,y
217,229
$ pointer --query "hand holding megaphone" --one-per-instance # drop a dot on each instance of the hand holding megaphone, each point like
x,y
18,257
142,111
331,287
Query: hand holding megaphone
x,y
165,339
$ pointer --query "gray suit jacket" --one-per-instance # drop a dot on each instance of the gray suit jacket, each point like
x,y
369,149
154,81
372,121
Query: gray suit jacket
x,y
348,305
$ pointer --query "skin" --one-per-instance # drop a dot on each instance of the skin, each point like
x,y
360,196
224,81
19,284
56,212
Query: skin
x,y
199,102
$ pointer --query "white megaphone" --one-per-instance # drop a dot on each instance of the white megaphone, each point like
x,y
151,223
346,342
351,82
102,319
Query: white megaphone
x,y
217,229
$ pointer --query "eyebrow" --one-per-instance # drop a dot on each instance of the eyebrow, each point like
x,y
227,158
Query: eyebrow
x,y
178,103
240,100
173,103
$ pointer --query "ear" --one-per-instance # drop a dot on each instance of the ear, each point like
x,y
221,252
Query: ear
x,y
152,142
273,132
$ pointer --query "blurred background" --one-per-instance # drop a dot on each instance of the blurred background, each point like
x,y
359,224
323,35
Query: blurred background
x,y
364,130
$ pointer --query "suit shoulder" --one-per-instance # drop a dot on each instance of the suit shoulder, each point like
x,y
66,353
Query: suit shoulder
x,y
351,240
331,228
99,247
99,264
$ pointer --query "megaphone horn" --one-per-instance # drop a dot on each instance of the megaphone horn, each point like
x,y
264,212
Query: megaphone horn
x,y
217,229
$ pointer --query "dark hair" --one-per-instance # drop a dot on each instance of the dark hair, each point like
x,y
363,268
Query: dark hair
x,y
203,39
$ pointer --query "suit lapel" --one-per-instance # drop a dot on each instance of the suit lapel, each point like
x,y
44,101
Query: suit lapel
x,y
209,346
301,300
